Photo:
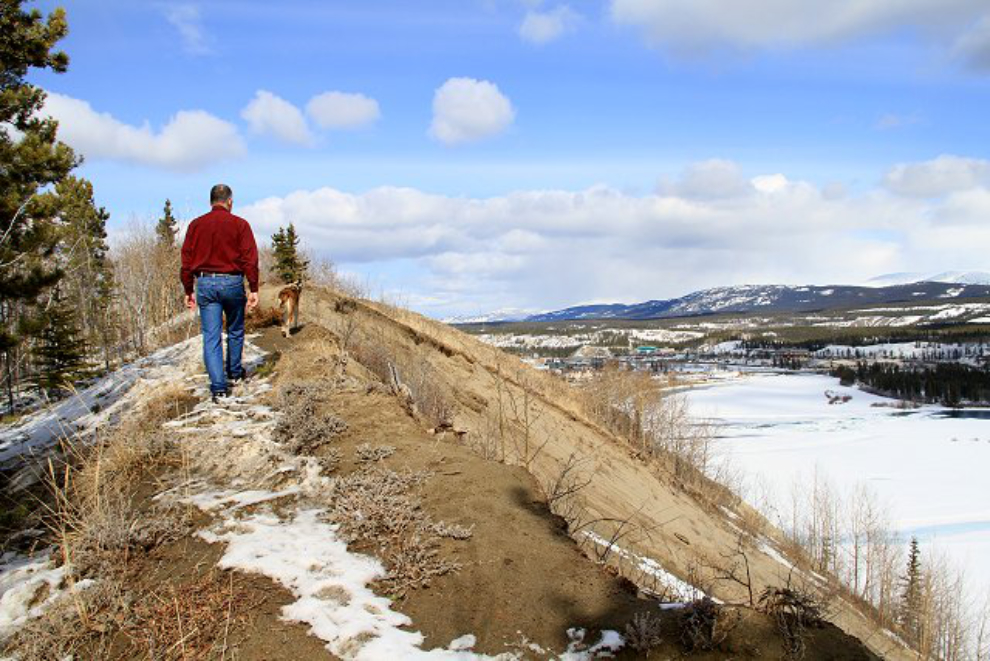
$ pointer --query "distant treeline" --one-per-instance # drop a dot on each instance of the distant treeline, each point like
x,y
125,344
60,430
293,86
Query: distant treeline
x,y
815,338
946,383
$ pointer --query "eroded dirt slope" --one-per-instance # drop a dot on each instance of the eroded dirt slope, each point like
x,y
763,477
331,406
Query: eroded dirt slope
x,y
509,410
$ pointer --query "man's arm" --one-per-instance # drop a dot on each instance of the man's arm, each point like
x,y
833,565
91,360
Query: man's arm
x,y
249,262
185,272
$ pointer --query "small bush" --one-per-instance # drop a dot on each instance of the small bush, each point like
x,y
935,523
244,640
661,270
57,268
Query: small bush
x,y
699,625
301,427
794,611
643,632
367,453
375,506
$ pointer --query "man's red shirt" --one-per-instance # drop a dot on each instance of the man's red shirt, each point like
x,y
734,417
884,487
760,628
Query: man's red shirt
x,y
219,242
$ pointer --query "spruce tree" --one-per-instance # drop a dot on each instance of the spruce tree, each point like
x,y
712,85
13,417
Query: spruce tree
x,y
82,254
167,227
911,592
289,266
30,158
60,353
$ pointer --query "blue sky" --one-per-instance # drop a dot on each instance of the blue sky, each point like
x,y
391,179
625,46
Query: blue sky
x,y
491,153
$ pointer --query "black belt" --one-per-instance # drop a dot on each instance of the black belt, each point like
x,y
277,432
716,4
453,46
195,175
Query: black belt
x,y
205,274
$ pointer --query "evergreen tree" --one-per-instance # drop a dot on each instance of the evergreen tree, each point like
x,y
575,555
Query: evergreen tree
x,y
167,228
30,158
911,593
60,354
288,265
82,254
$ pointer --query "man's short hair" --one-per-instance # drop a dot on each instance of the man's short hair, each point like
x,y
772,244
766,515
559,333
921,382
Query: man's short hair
x,y
220,194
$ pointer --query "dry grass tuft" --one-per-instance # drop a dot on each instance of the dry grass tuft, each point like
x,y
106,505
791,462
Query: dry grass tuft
x,y
190,621
99,528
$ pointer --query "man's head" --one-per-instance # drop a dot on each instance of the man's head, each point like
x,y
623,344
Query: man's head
x,y
221,195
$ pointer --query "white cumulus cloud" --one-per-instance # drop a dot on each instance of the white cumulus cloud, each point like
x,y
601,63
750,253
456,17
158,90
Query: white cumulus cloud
x,y
190,140
540,27
342,110
550,248
711,179
467,110
271,115
939,176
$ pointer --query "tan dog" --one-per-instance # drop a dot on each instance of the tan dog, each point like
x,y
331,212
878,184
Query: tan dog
x,y
288,304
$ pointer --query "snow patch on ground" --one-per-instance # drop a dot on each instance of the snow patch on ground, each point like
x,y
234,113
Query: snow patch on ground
x,y
28,585
668,586
578,650
330,583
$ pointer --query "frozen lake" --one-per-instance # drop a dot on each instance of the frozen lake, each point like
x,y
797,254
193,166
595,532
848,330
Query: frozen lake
x,y
929,465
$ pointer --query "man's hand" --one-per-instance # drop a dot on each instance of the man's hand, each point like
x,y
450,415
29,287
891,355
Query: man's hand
x,y
252,301
191,301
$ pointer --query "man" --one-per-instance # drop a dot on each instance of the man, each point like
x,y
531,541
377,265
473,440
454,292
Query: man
x,y
218,253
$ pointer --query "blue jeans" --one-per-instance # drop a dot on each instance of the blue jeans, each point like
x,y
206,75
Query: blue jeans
x,y
218,296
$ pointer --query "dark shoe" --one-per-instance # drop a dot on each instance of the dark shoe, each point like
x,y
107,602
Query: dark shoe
x,y
219,396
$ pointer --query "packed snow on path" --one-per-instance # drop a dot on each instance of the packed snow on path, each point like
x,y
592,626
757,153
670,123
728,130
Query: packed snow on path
x,y
81,413
928,464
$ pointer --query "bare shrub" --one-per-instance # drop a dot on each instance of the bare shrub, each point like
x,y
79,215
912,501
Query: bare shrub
x,y
149,292
375,506
323,272
561,489
635,406
794,611
644,632
302,427
367,453
329,460
699,625
484,440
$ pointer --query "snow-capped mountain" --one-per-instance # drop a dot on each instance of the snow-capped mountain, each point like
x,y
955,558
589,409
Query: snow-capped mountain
x,y
503,315
763,298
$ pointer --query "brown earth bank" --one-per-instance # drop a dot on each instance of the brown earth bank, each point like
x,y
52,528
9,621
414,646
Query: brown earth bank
x,y
522,579
691,536
520,582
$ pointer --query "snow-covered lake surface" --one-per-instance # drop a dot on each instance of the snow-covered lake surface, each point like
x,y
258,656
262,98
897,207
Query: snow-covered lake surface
x,y
930,468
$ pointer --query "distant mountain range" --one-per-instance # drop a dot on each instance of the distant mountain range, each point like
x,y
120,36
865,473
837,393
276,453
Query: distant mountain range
x,y
768,299
956,277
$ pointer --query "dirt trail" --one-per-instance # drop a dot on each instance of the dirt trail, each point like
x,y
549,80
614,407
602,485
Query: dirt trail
x,y
674,529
